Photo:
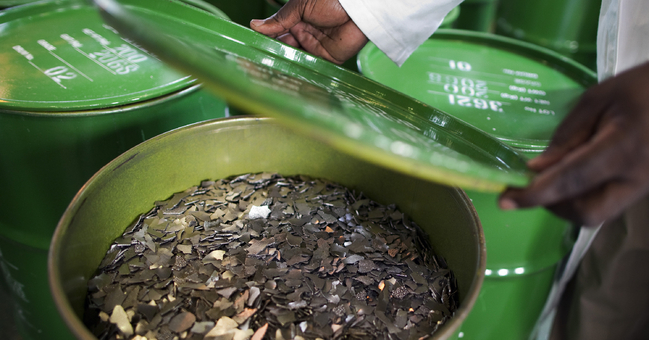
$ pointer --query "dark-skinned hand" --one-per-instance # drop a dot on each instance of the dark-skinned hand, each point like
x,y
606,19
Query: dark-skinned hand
x,y
320,27
597,163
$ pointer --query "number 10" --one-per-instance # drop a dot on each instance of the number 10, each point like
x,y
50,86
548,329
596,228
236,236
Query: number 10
x,y
460,65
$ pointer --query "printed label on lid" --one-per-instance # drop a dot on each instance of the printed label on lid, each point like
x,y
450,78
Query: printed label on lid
x,y
509,95
66,58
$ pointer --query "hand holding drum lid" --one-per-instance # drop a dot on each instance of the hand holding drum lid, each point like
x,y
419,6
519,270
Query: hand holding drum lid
x,y
320,27
597,163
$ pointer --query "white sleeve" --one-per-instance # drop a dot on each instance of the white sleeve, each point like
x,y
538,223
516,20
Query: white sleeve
x,y
622,36
398,27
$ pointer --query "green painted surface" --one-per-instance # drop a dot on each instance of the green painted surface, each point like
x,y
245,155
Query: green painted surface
x,y
477,15
31,308
568,27
208,7
507,308
450,18
51,148
272,6
161,166
520,242
514,91
50,157
263,76
524,248
241,11
11,3
59,56
504,85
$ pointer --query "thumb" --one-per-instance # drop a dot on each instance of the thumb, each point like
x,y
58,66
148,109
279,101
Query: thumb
x,y
279,23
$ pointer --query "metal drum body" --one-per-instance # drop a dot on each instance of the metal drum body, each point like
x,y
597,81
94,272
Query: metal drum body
x,y
518,93
272,6
159,167
67,107
568,27
11,3
241,11
477,15
450,19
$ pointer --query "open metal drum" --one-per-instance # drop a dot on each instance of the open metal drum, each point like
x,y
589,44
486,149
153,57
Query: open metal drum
x,y
157,168
348,129
341,126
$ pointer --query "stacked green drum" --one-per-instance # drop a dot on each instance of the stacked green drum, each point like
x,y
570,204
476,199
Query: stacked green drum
x,y
519,93
272,6
477,15
11,3
241,11
73,96
450,20
568,27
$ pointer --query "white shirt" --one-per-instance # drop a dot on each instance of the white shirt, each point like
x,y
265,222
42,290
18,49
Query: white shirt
x,y
398,27
622,36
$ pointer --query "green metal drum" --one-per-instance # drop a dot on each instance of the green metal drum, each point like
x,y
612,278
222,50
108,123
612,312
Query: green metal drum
x,y
519,93
477,15
73,96
272,6
157,168
568,27
450,19
10,3
241,11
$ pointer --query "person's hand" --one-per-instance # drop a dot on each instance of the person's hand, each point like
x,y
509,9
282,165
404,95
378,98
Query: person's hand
x,y
320,27
597,163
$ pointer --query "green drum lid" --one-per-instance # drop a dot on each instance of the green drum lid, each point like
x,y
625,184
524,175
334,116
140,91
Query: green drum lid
x,y
60,56
10,3
318,98
517,92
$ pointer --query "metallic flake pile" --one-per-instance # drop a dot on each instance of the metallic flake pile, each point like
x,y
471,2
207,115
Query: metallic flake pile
x,y
262,256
